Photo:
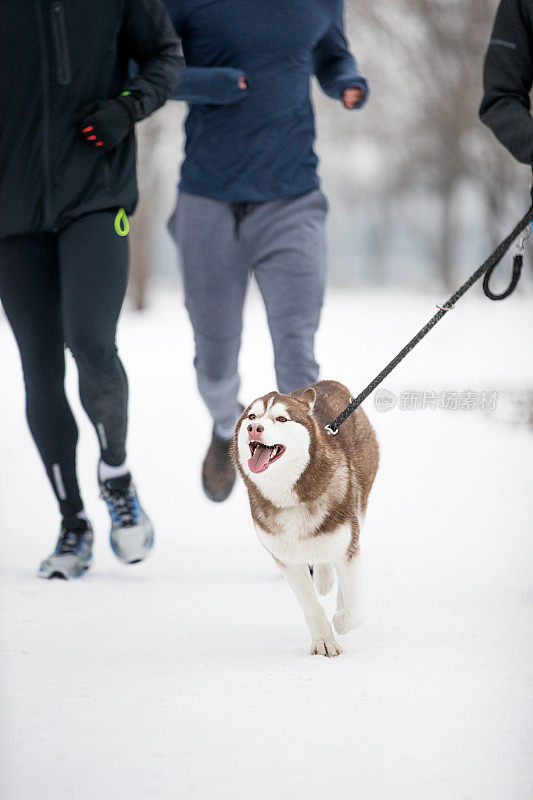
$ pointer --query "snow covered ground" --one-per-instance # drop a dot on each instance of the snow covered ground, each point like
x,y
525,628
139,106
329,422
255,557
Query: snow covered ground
x,y
188,676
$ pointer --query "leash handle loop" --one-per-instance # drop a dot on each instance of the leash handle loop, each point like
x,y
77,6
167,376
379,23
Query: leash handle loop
x,y
518,262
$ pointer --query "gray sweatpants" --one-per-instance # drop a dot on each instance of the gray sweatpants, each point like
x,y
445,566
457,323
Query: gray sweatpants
x,y
283,243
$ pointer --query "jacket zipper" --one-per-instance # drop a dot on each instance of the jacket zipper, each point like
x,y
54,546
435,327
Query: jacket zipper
x,y
45,77
59,31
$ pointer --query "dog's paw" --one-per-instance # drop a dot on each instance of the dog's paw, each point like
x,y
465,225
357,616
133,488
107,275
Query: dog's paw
x,y
326,647
345,622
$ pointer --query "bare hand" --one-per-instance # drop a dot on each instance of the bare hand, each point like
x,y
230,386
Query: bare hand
x,y
352,97
243,84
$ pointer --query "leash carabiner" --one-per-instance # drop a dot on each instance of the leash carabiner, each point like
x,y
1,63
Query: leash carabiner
x,y
518,262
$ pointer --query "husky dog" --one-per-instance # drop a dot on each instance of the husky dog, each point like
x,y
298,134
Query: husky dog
x,y
308,494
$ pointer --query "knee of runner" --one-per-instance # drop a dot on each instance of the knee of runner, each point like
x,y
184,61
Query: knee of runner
x,y
216,367
92,353
215,373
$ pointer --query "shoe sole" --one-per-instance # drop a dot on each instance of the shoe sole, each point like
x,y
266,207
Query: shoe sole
x,y
63,576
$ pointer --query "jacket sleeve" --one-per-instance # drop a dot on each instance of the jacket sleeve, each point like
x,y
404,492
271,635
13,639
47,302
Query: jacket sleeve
x,y
507,79
203,85
335,66
210,85
148,38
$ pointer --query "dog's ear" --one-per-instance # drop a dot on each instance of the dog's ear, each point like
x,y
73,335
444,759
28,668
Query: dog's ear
x,y
309,397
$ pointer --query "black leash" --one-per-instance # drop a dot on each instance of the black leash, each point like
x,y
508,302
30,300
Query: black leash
x,y
487,268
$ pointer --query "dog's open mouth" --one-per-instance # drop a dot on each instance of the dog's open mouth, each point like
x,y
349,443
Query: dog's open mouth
x,y
263,455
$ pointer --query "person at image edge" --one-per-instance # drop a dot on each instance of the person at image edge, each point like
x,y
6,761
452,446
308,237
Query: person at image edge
x,y
67,186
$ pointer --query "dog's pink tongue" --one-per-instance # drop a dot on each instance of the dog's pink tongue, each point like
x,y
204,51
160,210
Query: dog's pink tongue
x,y
260,459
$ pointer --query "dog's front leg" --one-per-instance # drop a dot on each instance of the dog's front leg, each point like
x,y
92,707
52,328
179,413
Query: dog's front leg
x,y
301,582
350,610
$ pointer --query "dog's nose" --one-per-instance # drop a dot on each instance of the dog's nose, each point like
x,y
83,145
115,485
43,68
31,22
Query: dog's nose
x,y
255,429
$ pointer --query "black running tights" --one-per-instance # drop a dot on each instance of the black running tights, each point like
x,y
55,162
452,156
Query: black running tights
x,y
67,288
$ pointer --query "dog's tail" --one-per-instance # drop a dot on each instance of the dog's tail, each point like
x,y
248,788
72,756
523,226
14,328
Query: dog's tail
x,y
324,576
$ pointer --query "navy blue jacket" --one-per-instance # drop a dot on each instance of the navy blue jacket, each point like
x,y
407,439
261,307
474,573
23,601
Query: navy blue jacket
x,y
257,144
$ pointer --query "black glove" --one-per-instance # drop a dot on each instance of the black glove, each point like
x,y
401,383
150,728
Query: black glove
x,y
107,123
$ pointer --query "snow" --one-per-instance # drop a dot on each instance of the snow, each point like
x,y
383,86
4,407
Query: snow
x,y
188,676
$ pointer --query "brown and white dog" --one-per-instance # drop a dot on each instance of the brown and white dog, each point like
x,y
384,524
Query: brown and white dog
x,y
308,496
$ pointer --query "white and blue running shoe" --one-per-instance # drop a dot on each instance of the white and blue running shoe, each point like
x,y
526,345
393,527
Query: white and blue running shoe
x,y
73,553
132,534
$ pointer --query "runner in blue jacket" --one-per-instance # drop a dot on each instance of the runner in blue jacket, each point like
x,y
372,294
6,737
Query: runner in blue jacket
x,y
249,197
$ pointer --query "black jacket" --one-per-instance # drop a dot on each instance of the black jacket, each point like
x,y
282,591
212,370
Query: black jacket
x,y
56,57
508,77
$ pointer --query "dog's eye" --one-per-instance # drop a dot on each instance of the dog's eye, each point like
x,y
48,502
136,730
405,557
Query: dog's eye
x,y
251,416
281,419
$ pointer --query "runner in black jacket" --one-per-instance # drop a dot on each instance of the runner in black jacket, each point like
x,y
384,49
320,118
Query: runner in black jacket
x,y
67,184
508,77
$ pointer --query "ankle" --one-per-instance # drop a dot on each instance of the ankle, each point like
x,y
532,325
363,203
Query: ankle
x,y
107,471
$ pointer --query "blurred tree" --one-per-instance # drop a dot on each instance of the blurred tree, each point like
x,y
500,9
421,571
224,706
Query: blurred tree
x,y
158,156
